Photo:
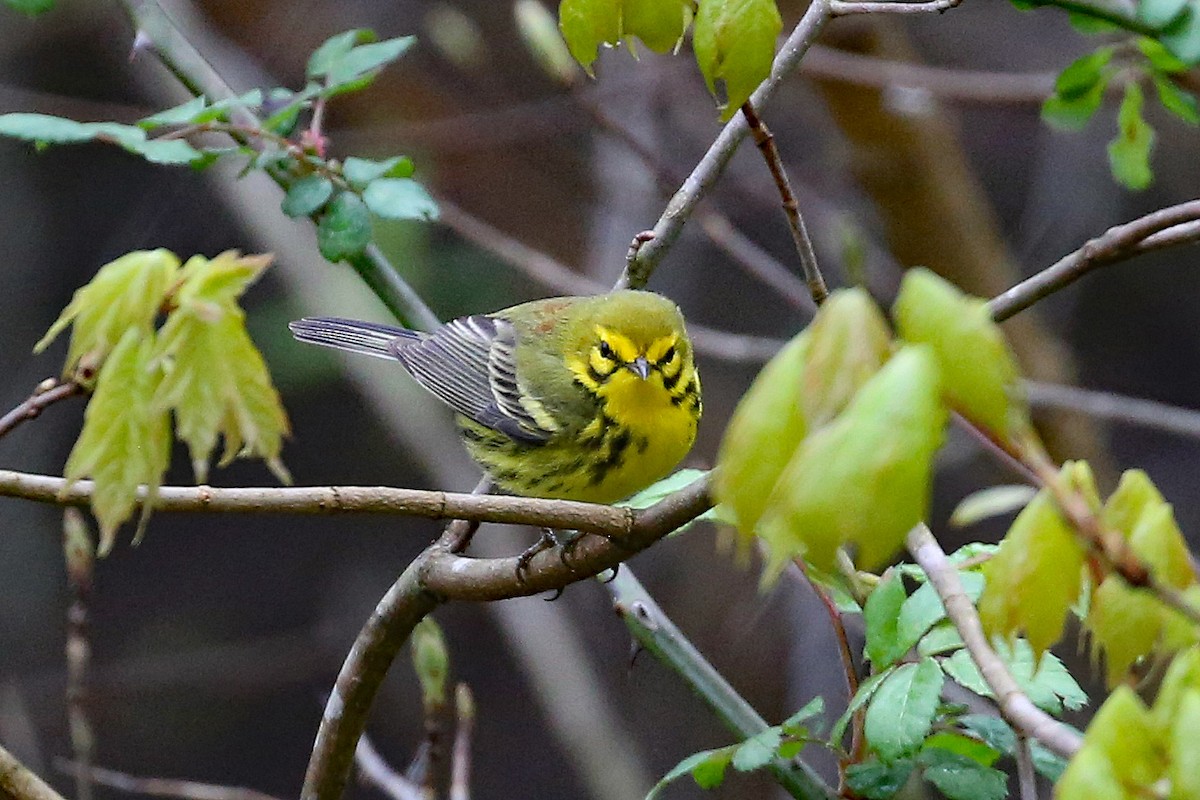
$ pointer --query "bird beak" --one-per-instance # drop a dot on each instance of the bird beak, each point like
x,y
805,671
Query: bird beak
x,y
640,367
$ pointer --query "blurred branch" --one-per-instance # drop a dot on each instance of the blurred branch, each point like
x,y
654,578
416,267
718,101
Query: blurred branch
x,y
655,631
45,394
765,142
79,555
841,8
1015,706
556,275
1166,227
375,771
706,172
163,787
1026,778
18,782
460,763
1116,407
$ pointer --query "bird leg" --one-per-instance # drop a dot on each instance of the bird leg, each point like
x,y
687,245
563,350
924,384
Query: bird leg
x,y
549,538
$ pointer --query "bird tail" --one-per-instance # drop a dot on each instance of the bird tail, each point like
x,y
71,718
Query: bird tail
x,y
368,338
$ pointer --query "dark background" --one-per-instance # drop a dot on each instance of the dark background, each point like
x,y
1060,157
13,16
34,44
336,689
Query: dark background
x,y
215,639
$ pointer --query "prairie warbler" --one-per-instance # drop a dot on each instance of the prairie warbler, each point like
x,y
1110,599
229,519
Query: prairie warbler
x,y
581,398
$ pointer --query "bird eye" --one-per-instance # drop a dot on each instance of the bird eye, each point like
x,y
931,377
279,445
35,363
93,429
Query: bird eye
x,y
667,356
606,351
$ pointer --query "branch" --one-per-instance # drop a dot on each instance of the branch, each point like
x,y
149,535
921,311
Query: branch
x,y
45,394
681,206
1115,407
375,771
655,631
460,760
20,783
1015,706
791,209
79,555
1167,227
842,8
163,787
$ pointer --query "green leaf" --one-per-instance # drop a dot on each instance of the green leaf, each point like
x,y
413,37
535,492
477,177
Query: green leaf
x,y
1160,13
864,478
587,24
1184,756
1044,679
992,730
994,501
766,427
1182,678
942,638
979,372
1177,101
959,777
961,669
220,109
849,343
344,228
812,709
1158,541
125,442
1123,733
1075,113
45,129
1034,577
400,198
1160,57
325,57
1090,24
1134,496
666,487
1083,74
734,41
173,152
182,114
866,690
431,662
307,195
1183,37
660,24
216,381
758,751
877,780
901,713
1129,152
707,768
30,7
924,608
361,171
969,747
1049,765
881,615
1089,776
126,293
363,60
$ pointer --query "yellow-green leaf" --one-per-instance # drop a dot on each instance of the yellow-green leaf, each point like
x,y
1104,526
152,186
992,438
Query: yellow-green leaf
x,y
1181,679
126,293
850,341
763,433
658,23
1089,776
1034,577
1158,541
587,24
734,42
1183,753
1123,732
1135,493
864,478
1125,623
979,373
431,661
125,442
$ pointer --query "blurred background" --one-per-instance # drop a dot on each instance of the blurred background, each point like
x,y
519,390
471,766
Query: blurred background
x,y
216,638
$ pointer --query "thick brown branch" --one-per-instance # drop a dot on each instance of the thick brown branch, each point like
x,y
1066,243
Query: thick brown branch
x,y
1016,707
1167,227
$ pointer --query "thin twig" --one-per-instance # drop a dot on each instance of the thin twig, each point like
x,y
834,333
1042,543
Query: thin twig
x,y
374,770
556,275
706,172
655,631
1115,407
1015,706
1026,778
165,787
841,8
19,782
79,554
464,729
46,393
791,209
1166,227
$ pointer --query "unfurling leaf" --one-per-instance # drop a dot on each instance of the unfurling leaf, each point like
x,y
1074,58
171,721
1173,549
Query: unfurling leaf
x,y
431,661
215,380
1129,152
979,372
125,294
1034,577
864,478
850,341
125,442
765,429
734,42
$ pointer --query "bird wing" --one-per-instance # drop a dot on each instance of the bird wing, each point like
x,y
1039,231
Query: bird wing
x,y
470,364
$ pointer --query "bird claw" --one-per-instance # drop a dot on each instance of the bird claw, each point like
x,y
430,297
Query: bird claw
x,y
549,538
615,569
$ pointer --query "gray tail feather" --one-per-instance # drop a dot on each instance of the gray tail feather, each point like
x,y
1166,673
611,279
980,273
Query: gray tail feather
x,y
368,338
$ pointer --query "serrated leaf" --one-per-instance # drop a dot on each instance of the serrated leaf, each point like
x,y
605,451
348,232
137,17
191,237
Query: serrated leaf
x,y
812,709
849,341
961,669
125,442
216,382
334,49
307,195
866,690
400,198
1179,102
863,479
587,24
881,615
994,501
877,780
361,171
707,768
734,41
993,731
126,293
1125,624
221,108
1034,577
979,372
959,777
758,751
1129,152
765,429
901,713
344,228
